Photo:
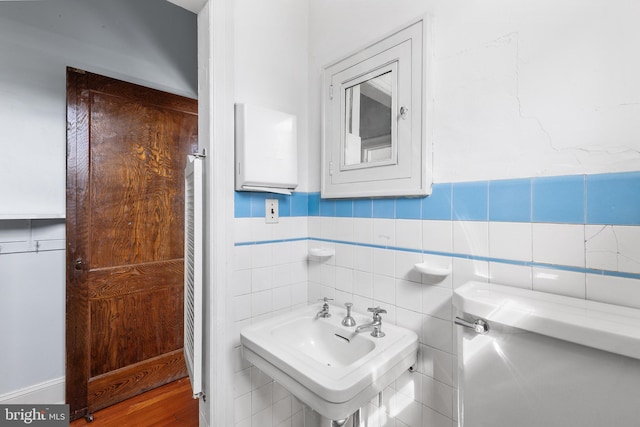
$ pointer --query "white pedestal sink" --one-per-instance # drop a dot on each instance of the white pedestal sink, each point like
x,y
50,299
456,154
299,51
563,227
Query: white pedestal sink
x,y
326,365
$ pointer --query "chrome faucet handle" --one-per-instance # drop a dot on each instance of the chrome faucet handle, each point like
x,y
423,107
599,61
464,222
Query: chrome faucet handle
x,y
377,310
326,300
348,320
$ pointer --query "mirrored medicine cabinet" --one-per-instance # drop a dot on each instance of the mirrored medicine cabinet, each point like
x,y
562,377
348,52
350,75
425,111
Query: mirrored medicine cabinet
x,y
375,140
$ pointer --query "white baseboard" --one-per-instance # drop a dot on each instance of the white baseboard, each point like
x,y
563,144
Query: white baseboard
x,y
51,391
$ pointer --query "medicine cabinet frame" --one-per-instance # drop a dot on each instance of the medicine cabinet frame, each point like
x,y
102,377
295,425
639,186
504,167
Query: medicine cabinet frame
x,y
396,68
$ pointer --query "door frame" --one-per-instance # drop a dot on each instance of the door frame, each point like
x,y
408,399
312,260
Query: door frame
x,y
215,130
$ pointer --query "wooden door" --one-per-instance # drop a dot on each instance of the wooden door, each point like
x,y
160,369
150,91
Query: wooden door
x,y
127,148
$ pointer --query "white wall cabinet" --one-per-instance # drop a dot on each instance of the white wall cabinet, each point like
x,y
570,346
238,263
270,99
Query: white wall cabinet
x,y
376,119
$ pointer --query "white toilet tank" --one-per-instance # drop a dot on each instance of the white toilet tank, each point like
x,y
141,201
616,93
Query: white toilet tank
x,y
546,360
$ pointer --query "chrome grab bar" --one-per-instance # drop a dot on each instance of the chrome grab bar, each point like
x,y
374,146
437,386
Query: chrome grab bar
x,y
478,325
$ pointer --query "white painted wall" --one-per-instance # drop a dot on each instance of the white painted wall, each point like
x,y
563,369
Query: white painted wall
x,y
31,305
270,62
520,89
146,42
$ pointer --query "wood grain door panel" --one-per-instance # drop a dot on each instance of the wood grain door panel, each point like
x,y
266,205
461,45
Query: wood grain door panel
x,y
129,328
135,197
127,148
124,383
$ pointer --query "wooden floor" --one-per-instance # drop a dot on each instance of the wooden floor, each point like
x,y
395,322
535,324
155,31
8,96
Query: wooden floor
x,y
169,405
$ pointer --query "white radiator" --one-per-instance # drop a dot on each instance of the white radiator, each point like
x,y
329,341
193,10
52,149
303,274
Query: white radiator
x,y
193,268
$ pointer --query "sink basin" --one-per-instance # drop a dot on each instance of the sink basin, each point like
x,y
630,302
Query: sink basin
x,y
324,343
326,365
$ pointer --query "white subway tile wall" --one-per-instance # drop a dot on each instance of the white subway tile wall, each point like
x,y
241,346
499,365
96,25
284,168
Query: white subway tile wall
x,y
269,278
549,249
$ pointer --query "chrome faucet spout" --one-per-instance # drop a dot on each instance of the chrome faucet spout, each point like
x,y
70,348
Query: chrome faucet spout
x,y
367,326
325,308
323,313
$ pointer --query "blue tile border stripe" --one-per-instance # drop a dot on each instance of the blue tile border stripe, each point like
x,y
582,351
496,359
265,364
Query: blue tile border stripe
x,y
510,200
266,242
558,199
471,201
599,272
613,198
603,199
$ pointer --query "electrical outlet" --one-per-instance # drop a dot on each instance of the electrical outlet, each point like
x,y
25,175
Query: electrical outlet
x,y
271,215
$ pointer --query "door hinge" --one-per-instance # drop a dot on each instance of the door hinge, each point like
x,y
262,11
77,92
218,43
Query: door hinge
x,y
330,168
331,92
198,155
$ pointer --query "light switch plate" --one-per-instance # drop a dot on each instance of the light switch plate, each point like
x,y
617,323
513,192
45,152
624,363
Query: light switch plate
x,y
271,214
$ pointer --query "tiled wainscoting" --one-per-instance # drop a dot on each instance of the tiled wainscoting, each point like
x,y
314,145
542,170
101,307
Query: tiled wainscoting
x,y
572,235
270,276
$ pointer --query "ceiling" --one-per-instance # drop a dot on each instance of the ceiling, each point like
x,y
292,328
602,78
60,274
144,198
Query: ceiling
x,y
194,6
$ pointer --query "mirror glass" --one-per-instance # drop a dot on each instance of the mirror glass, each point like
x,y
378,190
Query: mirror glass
x,y
368,121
